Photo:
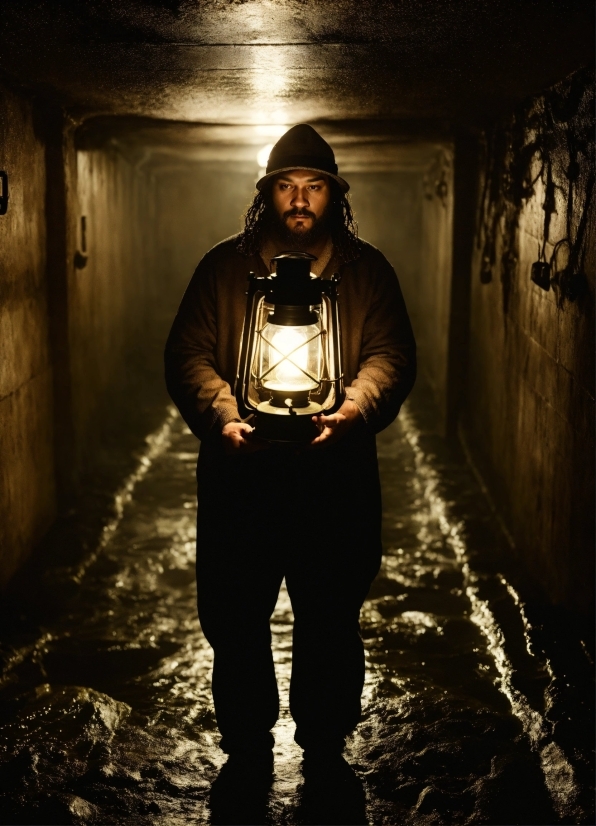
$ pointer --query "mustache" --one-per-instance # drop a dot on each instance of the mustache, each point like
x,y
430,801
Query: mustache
x,y
296,211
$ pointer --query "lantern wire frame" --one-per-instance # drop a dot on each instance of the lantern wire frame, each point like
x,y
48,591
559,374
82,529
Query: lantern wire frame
x,y
259,306
286,356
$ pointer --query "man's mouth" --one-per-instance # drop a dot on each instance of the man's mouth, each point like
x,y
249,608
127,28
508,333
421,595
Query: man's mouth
x,y
299,213
300,233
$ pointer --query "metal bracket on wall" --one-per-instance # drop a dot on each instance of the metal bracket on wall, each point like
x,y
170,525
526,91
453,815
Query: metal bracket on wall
x,y
3,193
80,260
540,274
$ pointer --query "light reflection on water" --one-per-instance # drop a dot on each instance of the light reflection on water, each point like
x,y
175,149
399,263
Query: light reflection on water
x,y
557,770
446,734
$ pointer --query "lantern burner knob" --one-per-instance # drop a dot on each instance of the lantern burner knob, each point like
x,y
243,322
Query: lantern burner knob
x,y
280,398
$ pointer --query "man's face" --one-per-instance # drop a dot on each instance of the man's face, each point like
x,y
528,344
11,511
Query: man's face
x,y
300,199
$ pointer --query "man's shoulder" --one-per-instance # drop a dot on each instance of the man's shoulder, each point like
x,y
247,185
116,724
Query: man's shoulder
x,y
369,256
225,251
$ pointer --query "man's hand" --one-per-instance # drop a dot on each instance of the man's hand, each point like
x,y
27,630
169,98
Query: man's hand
x,y
334,427
237,438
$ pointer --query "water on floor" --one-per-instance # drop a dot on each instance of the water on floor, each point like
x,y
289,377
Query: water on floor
x,y
107,711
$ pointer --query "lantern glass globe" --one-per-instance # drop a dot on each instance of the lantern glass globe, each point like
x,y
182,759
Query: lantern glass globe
x,y
291,358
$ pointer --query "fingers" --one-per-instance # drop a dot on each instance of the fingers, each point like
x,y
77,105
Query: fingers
x,y
250,442
333,418
330,428
253,446
243,441
326,438
237,438
325,432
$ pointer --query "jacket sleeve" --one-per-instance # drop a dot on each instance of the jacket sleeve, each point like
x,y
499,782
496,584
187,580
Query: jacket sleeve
x,y
387,365
202,396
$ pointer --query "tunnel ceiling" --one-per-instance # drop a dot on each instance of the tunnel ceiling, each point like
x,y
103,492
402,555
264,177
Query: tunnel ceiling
x,y
283,61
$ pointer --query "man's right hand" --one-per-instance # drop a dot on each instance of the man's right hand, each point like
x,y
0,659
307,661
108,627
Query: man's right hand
x,y
237,438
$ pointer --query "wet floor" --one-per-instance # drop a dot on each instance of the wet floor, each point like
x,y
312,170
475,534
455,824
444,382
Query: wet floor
x,y
471,713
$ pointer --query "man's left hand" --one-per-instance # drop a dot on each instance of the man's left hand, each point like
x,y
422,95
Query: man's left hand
x,y
334,427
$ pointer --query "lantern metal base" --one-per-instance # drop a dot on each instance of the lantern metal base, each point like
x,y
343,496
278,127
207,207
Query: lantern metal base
x,y
277,424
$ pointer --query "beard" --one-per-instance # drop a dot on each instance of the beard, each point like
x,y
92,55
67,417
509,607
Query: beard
x,y
300,239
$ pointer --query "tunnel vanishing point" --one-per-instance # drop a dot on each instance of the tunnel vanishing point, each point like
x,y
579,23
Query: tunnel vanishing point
x,y
131,138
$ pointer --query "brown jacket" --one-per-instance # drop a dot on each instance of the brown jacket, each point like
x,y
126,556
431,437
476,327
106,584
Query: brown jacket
x,y
201,358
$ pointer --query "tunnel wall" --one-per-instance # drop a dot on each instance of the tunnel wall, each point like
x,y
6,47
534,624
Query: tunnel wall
x,y
81,330
388,210
528,418
27,500
433,297
408,215
114,297
200,204
85,311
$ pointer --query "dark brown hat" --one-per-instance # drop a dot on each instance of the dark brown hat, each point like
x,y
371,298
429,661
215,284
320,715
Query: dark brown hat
x,y
301,147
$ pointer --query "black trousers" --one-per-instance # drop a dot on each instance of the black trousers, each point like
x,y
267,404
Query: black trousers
x,y
284,515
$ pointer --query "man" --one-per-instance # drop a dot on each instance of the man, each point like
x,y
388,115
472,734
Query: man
x,y
264,513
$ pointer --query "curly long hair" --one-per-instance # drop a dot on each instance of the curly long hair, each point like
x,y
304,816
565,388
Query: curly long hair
x,y
342,226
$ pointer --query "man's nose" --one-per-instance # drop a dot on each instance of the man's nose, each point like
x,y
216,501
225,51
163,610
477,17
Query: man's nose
x,y
300,198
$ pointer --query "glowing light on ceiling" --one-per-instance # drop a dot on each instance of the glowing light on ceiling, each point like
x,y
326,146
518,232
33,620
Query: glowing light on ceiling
x,y
265,117
269,78
263,155
271,130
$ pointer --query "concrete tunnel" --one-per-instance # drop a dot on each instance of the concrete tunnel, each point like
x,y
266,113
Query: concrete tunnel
x,y
132,136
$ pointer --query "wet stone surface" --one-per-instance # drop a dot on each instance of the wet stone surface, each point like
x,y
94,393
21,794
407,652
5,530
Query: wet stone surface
x,y
469,716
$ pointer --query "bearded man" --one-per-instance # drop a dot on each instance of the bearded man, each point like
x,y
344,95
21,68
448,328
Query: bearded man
x,y
313,515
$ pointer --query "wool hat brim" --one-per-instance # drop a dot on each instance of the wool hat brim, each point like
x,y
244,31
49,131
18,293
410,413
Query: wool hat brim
x,y
345,186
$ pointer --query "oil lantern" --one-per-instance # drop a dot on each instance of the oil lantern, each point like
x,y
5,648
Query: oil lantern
x,y
289,368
